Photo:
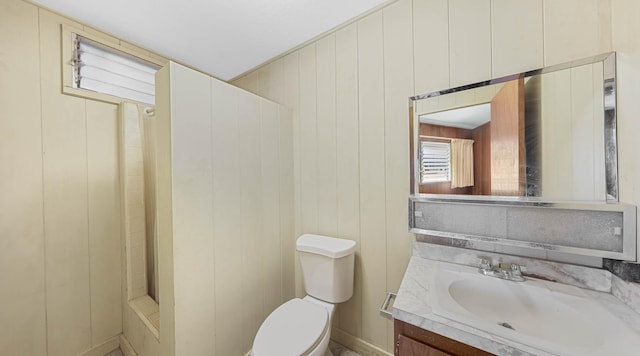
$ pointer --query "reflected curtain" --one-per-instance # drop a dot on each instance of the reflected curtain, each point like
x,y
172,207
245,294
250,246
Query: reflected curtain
x,y
461,163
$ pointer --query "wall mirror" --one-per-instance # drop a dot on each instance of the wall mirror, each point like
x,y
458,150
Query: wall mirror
x,y
547,134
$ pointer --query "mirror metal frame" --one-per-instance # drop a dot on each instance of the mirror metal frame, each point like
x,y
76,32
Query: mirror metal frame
x,y
610,130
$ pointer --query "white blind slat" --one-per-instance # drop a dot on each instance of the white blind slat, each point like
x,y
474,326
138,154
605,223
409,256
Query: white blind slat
x,y
115,56
101,75
109,71
120,92
90,60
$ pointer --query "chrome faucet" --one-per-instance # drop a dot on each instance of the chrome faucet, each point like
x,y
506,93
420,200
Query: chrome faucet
x,y
508,271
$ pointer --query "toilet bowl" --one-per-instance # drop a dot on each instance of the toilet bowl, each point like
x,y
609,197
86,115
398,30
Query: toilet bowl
x,y
303,326
297,327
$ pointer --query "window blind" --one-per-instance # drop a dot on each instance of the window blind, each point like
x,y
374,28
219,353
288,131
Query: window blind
x,y
106,70
435,162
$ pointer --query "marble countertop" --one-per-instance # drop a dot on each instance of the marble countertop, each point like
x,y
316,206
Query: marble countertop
x,y
413,305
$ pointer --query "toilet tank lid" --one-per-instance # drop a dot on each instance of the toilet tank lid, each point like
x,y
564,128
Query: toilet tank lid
x,y
324,245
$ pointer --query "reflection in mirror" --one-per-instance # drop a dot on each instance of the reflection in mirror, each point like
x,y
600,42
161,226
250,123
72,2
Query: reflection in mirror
x,y
548,133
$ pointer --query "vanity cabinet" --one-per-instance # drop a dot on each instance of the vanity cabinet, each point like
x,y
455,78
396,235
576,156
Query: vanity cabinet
x,y
414,341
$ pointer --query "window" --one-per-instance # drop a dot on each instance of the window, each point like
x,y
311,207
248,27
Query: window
x,y
106,70
435,162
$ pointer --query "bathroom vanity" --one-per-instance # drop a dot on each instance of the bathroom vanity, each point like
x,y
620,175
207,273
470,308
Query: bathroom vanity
x,y
446,307
412,340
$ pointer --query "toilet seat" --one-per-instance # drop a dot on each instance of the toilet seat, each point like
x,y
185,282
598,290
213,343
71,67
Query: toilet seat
x,y
294,328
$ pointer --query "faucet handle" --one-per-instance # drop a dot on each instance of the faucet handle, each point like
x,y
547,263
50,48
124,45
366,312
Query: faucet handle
x,y
515,269
485,263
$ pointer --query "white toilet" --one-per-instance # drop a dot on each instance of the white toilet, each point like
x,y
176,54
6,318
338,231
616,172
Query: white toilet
x,y
303,326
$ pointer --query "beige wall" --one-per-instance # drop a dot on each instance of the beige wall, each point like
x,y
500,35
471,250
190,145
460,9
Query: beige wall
x,y
225,200
60,248
572,134
627,45
349,91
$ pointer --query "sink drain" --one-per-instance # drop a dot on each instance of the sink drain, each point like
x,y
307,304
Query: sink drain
x,y
506,325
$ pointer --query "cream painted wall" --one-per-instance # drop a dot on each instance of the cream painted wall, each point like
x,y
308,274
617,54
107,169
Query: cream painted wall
x,y
348,92
60,247
625,27
225,200
572,131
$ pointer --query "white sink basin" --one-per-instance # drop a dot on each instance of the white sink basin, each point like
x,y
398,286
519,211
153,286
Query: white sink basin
x,y
553,317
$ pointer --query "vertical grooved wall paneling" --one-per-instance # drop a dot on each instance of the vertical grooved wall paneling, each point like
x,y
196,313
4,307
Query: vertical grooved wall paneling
x,y
251,207
287,236
413,47
326,135
626,43
430,38
469,41
372,176
574,29
291,99
513,23
227,217
22,250
104,220
269,240
64,141
61,230
192,176
398,78
348,169
308,140
232,212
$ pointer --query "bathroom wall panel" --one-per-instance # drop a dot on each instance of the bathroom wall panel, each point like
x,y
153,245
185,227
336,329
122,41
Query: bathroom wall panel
x,y
227,218
348,172
250,82
104,221
271,81
514,23
22,295
574,29
286,197
291,74
309,135
65,203
241,228
469,41
372,176
269,238
192,194
431,45
431,27
627,45
252,220
399,85
326,133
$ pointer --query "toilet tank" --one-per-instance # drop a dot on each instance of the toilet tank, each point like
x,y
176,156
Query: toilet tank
x,y
327,265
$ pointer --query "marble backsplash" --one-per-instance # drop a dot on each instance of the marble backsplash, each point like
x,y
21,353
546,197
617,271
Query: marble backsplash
x,y
596,279
584,277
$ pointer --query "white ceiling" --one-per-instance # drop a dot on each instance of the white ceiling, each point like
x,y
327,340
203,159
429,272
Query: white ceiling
x,y
468,117
222,38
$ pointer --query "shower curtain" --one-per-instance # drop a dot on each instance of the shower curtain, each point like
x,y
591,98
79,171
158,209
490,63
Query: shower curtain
x,y
148,140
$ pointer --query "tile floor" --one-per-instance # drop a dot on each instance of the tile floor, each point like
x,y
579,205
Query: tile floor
x,y
339,350
336,349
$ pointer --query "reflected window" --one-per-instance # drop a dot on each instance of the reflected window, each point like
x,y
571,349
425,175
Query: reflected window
x,y
435,162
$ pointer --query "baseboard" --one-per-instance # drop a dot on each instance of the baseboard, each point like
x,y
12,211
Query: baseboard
x,y
103,348
126,347
356,344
